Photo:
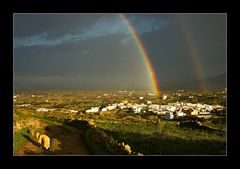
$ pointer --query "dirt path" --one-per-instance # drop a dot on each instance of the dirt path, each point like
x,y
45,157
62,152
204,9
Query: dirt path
x,y
65,140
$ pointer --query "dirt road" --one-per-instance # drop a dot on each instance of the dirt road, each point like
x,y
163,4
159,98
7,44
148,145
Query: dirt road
x,y
65,140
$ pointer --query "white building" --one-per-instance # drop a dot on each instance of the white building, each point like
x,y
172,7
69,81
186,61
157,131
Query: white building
x,y
149,102
164,97
180,114
44,109
105,109
137,109
71,111
169,116
171,108
154,106
129,105
93,110
24,105
204,112
111,107
140,98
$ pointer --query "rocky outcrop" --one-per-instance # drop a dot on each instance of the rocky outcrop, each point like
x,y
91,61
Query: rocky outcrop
x,y
31,123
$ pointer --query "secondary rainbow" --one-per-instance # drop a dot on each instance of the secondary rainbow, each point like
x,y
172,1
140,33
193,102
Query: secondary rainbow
x,y
143,53
192,51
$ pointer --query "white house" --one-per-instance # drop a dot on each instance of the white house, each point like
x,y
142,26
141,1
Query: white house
x,y
44,109
149,102
169,116
71,111
180,114
105,109
24,105
112,107
93,110
154,106
204,112
171,108
137,109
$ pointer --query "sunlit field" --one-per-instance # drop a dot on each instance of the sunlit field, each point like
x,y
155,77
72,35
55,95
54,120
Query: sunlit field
x,y
146,132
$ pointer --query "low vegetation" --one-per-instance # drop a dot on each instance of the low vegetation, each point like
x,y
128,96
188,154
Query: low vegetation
x,y
146,133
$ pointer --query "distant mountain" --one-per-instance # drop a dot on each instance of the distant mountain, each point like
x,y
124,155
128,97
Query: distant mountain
x,y
216,82
211,83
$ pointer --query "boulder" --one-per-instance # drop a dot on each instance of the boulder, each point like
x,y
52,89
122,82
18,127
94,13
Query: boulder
x,y
91,123
127,148
139,154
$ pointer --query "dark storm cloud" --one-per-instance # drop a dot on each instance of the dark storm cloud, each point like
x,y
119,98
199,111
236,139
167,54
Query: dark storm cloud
x,y
208,33
97,50
105,25
168,48
84,57
75,32
26,25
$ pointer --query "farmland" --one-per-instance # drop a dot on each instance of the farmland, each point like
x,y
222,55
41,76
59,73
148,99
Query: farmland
x,y
128,120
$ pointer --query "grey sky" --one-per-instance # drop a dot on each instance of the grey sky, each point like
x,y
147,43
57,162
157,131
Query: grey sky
x,y
97,50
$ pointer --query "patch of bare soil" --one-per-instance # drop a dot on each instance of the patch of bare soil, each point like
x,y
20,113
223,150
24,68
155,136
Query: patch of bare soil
x,y
65,140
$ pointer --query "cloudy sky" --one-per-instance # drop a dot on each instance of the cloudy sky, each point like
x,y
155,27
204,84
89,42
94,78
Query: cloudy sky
x,y
97,50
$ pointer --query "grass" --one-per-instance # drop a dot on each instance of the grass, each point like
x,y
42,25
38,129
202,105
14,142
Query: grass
x,y
19,137
137,131
19,140
175,140
94,147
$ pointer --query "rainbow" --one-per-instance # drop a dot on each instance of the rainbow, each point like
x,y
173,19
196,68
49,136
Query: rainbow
x,y
144,54
192,51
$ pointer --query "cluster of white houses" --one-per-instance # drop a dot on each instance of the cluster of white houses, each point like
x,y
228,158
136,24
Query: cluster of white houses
x,y
169,111
44,109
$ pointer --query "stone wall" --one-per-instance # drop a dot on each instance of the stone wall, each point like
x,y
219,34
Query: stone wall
x,y
113,145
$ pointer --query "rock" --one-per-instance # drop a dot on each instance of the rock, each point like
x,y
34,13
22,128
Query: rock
x,y
44,140
139,154
17,126
127,148
91,123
